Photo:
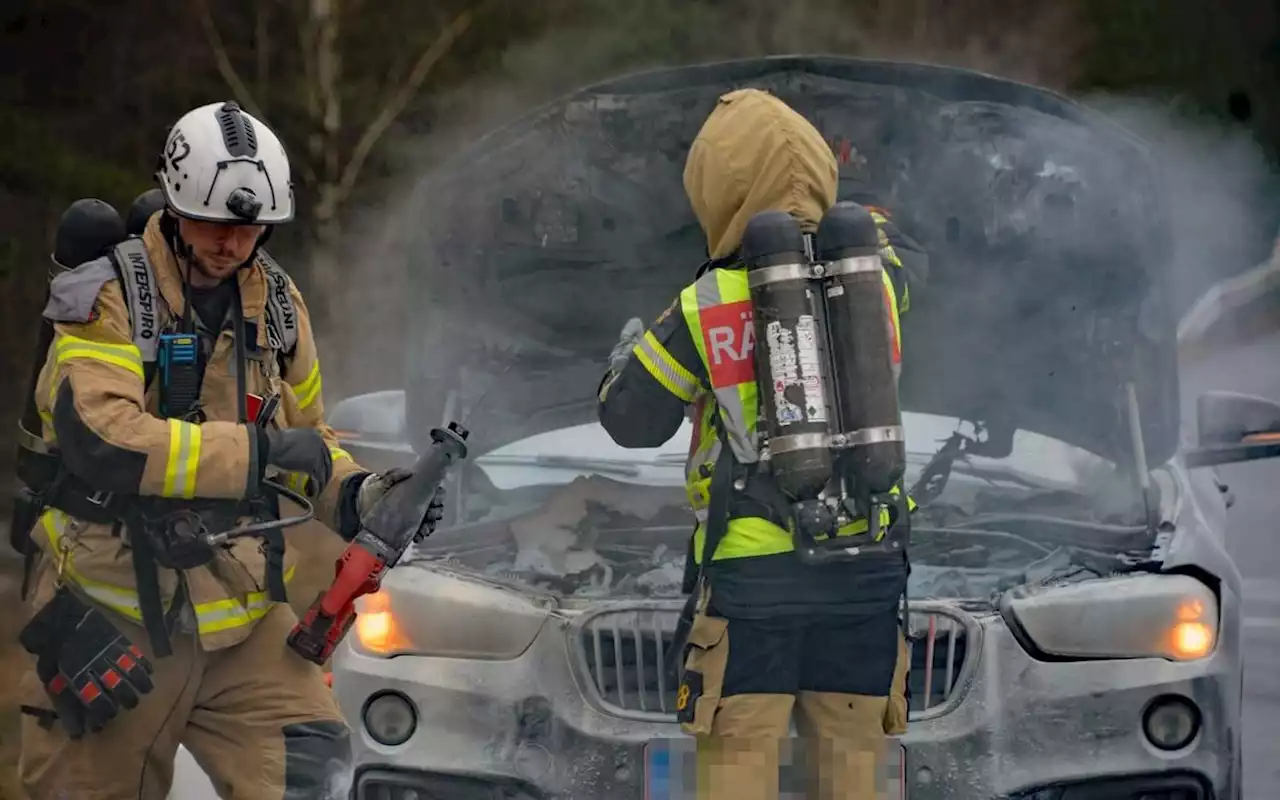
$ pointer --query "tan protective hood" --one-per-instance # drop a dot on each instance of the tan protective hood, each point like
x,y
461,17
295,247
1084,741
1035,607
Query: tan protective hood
x,y
753,154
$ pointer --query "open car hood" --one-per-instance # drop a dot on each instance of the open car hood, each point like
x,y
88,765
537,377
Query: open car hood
x,y
1043,221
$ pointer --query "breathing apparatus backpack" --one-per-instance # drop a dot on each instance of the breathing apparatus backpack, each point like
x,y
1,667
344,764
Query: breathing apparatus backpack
x,y
87,229
826,369
829,431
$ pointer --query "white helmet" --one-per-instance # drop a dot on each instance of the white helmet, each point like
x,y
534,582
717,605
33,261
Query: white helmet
x,y
219,164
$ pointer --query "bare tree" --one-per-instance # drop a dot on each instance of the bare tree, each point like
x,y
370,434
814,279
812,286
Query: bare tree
x,y
330,170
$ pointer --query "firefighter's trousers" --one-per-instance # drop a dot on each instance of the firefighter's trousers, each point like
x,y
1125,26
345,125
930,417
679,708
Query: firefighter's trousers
x,y
258,719
840,679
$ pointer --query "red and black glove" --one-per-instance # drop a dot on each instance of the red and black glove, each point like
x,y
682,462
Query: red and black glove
x,y
88,667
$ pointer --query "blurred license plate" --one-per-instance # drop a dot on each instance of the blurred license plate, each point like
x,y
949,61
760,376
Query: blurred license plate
x,y
668,770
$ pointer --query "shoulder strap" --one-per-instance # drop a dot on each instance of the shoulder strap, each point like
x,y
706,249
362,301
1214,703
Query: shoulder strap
x,y
282,315
142,297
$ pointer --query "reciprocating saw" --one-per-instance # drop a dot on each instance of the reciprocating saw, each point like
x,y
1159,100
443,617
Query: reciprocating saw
x,y
399,519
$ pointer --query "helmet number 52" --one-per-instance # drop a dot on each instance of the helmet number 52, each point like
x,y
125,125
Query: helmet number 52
x,y
172,151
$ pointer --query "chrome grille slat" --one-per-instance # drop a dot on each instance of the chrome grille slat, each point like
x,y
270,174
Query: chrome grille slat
x,y
661,660
928,660
638,639
599,653
951,652
619,679
627,673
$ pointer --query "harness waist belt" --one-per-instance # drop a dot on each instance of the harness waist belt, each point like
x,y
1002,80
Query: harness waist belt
x,y
76,498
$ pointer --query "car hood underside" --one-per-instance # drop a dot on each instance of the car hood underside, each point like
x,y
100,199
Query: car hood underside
x,y
1043,223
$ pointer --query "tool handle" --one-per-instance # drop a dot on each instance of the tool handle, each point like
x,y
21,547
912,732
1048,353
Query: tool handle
x,y
357,572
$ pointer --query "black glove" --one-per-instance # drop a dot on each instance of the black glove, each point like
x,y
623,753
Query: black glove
x,y
630,336
435,512
89,669
363,491
301,450
375,487
360,493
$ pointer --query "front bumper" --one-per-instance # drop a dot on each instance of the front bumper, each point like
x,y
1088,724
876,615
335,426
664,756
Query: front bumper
x,y
998,723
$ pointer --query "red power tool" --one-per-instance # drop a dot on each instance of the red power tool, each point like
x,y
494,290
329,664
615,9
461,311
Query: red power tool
x,y
400,518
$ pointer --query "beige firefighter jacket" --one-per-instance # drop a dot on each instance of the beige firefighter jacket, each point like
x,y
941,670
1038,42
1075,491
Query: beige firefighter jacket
x,y
91,393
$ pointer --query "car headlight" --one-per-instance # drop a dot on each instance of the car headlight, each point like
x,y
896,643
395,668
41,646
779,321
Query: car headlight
x,y
1144,616
424,612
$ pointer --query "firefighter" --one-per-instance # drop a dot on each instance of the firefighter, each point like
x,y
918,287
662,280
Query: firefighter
x,y
773,640
146,635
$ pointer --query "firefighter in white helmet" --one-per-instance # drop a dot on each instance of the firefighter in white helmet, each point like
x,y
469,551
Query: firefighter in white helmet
x,y
182,375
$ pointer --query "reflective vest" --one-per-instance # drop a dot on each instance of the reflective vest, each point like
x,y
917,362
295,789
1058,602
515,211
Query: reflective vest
x,y
717,310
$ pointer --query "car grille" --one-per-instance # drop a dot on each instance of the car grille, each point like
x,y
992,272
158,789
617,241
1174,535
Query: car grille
x,y
621,651
624,652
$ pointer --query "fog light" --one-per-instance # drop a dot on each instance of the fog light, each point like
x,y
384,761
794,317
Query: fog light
x,y
1171,723
390,718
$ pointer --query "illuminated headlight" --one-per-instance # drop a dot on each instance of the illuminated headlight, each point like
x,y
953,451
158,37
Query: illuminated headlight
x,y
427,613
1145,616
390,718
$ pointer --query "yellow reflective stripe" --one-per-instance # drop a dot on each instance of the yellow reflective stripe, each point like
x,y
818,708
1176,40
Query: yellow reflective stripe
x,y
123,601
609,379
222,615
184,460
125,356
689,307
887,253
895,320
211,617
664,368
296,481
337,452
309,389
746,537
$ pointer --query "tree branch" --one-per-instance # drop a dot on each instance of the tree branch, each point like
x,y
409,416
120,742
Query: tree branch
x,y
396,104
223,61
262,44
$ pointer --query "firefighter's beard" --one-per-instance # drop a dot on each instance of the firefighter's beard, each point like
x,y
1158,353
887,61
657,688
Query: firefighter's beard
x,y
213,268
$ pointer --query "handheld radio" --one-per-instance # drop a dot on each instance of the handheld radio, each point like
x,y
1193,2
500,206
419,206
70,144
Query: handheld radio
x,y
178,361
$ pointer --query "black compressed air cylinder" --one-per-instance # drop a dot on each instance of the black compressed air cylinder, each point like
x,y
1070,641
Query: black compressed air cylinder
x,y
863,348
790,354
87,230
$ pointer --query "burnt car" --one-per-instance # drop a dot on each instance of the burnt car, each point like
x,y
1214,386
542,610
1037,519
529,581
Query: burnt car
x,y
1075,619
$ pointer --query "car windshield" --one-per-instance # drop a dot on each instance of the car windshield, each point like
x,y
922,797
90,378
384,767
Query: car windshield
x,y
571,513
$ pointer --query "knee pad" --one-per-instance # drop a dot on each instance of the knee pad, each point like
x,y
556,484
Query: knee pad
x,y
317,761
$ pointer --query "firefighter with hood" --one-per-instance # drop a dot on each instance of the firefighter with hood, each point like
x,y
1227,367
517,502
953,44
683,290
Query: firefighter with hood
x,y
183,378
772,640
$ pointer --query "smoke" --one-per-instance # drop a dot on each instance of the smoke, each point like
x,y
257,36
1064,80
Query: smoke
x,y
1215,176
1219,190
591,40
